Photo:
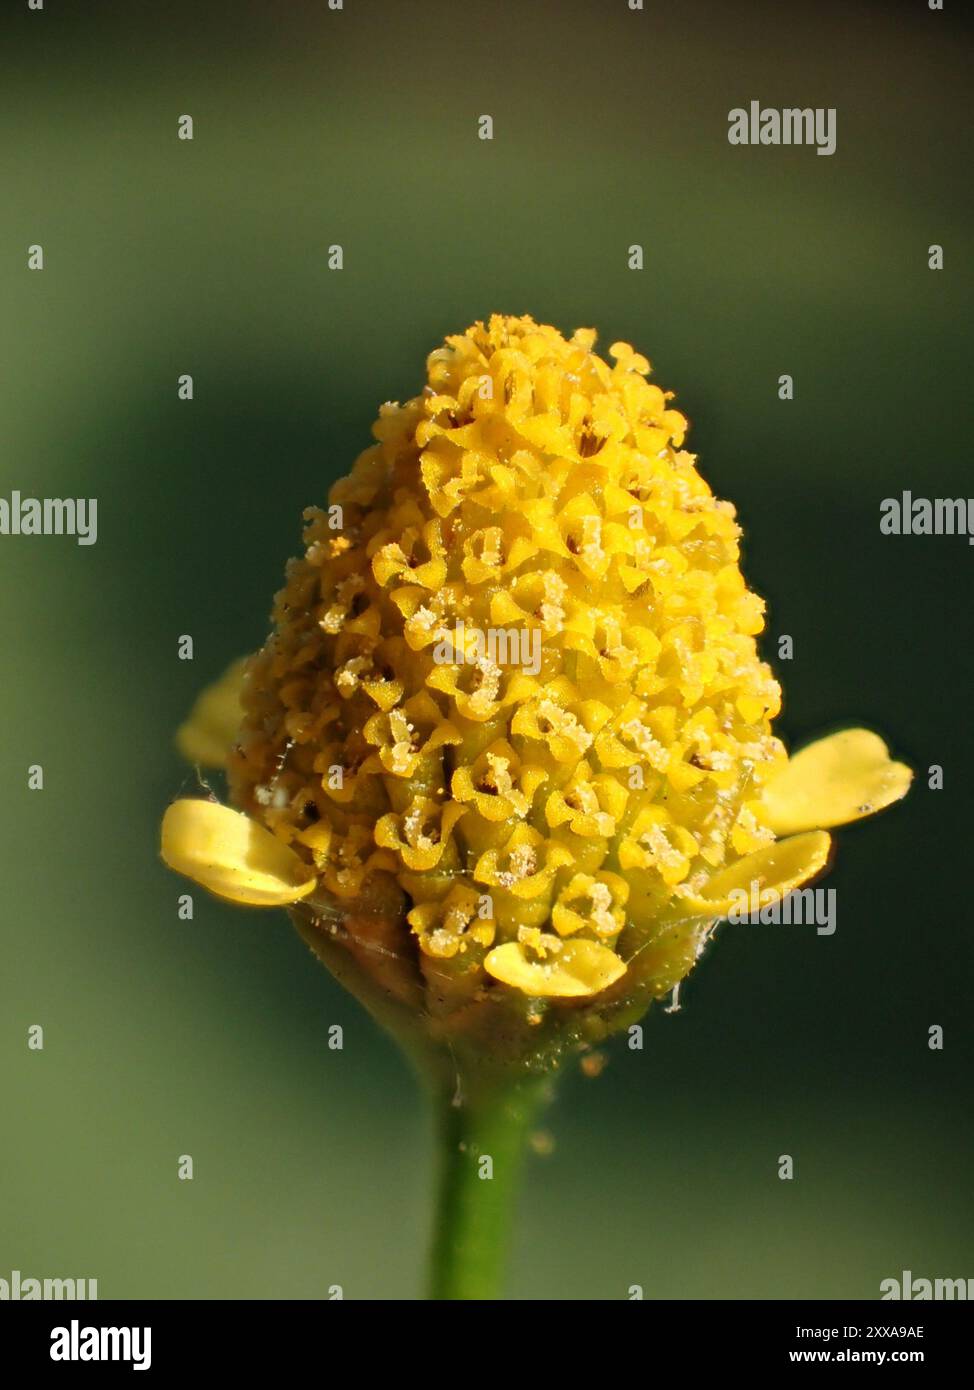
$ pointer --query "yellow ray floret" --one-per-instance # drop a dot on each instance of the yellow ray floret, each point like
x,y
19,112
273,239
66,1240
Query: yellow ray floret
x,y
559,970
214,721
232,855
834,781
766,875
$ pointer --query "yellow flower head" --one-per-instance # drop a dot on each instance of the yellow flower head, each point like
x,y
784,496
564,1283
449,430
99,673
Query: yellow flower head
x,y
513,701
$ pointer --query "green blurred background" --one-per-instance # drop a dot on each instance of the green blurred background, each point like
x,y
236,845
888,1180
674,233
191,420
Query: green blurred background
x,y
162,257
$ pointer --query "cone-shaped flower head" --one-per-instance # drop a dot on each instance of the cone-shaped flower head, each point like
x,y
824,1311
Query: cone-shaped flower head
x,y
511,731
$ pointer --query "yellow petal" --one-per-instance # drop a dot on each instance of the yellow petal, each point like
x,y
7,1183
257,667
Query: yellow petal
x,y
214,721
232,855
765,875
834,781
579,969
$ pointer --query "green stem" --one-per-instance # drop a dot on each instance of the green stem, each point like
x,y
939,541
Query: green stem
x,y
476,1199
